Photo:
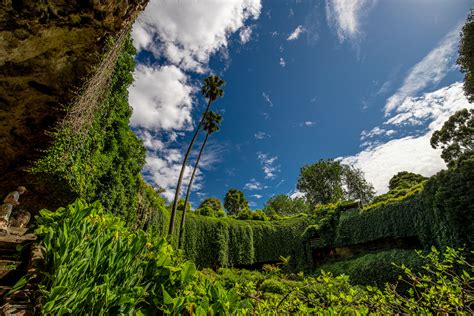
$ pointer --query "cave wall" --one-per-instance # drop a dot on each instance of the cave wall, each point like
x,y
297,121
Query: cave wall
x,y
48,49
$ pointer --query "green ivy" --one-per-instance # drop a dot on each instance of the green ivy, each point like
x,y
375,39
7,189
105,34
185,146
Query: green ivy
x,y
105,164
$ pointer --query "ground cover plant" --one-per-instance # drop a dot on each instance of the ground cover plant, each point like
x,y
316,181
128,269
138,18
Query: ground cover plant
x,y
95,265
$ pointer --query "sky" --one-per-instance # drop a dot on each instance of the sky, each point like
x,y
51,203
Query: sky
x,y
363,81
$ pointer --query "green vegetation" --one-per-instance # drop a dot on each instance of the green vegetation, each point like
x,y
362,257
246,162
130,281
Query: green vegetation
x,y
441,215
456,137
210,125
235,201
375,268
105,163
120,271
466,55
221,242
283,205
212,89
402,185
328,181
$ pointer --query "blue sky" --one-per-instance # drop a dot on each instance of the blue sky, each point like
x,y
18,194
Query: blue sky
x,y
364,81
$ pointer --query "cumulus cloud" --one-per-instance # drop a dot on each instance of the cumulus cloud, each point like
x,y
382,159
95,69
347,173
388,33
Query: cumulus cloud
x,y
268,165
188,32
257,196
345,16
411,153
183,35
428,72
296,33
161,98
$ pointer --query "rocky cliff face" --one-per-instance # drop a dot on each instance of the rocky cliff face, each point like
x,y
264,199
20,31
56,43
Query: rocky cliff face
x,y
48,49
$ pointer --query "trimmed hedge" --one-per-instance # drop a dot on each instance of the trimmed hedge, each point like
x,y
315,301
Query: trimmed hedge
x,y
375,268
213,242
441,215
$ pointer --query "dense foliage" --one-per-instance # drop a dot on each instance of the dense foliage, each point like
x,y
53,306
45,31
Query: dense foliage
x,y
282,204
466,56
442,214
456,137
401,186
216,242
405,180
104,164
95,265
235,201
328,181
98,266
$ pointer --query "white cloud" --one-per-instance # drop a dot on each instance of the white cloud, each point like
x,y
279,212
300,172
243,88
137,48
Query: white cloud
x,y
188,32
428,72
376,131
185,34
257,196
268,165
261,135
296,194
411,153
345,16
161,98
245,34
296,33
307,124
253,185
267,99
163,167
282,62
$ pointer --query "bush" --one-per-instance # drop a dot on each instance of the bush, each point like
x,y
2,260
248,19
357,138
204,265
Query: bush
x,y
375,268
95,265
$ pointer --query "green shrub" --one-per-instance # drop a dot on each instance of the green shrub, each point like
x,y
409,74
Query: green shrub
x,y
375,268
95,265
105,163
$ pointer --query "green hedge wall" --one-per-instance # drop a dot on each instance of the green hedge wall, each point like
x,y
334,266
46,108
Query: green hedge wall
x,y
213,242
375,268
441,215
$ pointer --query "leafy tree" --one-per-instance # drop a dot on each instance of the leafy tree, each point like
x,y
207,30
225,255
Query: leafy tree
x,y
210,125
328,181
405,179
282,204
466,56
456,137
206,211
356,186
213,203
212,89
235,201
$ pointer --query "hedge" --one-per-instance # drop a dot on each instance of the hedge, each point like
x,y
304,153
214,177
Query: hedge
x,y
213,242
441,215
375,268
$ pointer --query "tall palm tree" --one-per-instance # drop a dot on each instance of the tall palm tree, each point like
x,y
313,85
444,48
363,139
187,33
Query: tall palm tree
x,y
210,125
212,89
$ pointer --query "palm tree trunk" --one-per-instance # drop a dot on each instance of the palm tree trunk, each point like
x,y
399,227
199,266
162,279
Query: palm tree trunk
x,y
188,191
183,167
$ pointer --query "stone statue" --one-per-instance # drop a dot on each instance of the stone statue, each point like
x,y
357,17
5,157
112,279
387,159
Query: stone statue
x,y
10,201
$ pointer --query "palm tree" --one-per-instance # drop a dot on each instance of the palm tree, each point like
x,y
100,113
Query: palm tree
x,y
212,89
210,125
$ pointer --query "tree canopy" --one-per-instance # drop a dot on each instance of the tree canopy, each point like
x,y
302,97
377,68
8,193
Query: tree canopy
x,y
235,201
466,56
456,137
329,181
282,204
213,203
404,180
